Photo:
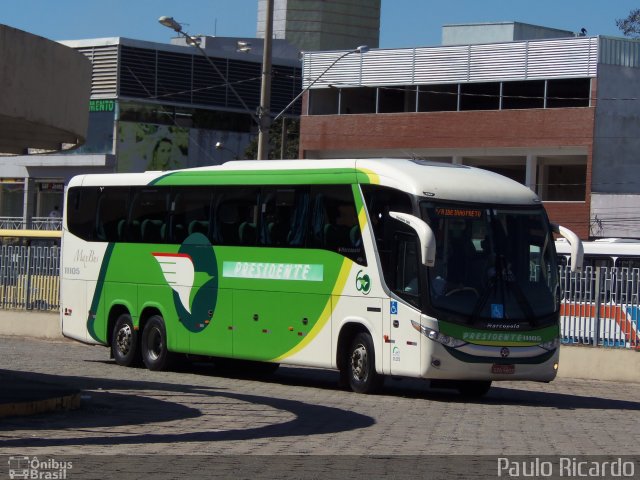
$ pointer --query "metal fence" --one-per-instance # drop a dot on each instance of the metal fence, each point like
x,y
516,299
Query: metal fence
x,y
600,306
34,223
30,277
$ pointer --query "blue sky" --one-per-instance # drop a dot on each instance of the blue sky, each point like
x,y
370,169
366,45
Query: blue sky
x,y
404,23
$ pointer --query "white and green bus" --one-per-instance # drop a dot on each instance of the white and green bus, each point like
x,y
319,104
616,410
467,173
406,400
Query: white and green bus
x,y
371,267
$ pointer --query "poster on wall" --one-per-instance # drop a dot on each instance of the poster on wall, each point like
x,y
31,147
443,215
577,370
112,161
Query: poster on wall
x,y
147,146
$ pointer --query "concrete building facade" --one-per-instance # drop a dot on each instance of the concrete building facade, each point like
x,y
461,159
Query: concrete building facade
x,y
321,25
44,87
559,115
498,32
153,106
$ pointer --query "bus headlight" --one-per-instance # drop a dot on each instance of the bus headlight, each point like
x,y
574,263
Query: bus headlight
x,y
431,334
551,344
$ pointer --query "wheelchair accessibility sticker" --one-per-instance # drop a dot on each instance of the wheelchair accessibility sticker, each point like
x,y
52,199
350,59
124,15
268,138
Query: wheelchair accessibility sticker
x,y
394,307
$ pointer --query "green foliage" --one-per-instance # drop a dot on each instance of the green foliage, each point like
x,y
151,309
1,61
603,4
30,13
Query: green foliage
x,y
630,26
291,136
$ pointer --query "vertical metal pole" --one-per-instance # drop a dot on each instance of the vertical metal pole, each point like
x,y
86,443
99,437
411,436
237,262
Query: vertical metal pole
x,y
264,115
27,285
27,202
283,137
596,333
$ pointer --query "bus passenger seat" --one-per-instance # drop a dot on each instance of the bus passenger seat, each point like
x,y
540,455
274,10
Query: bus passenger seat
x,y
247,233
336,237
199,226
122,224
179,233
150,231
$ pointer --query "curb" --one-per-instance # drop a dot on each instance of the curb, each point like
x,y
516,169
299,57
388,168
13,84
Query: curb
x,y
34,407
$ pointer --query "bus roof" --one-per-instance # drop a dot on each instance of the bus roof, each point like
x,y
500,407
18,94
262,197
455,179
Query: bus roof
x,y
613,247
432,179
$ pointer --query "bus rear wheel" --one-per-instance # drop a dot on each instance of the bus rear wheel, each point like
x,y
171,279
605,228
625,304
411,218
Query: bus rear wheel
x,y
155,354
124,342
361,365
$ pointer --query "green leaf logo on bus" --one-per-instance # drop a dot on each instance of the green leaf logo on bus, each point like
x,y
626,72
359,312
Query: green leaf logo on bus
x,y
363,283
195,309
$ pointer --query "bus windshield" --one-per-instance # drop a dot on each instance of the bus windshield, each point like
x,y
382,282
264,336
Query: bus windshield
x,y
493,264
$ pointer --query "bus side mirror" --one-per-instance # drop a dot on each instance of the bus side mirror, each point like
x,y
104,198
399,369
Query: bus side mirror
x,y
425,235
577,250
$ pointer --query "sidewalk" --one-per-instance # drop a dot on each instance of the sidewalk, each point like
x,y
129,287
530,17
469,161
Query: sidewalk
x,y
21,394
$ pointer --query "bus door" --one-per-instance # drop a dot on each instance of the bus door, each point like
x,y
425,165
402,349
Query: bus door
x,y
403,340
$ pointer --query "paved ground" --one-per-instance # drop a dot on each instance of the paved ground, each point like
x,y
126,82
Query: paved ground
x,y
300,411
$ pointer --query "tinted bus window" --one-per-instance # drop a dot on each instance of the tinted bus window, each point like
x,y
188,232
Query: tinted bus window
x,y
148,218
81,211
190,213
236,216
334,222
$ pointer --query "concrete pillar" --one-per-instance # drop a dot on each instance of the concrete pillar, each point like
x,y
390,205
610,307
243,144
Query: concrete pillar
x,y
531,172
29,198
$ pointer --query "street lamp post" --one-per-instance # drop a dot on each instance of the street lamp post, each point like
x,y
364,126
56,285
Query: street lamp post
x,y
264,117
360,49
169,22
220,146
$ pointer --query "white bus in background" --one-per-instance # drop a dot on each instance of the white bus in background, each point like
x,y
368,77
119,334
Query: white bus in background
x,y
601,303
605,252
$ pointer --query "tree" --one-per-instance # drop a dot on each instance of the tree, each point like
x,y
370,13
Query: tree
x,y
630,26
291,138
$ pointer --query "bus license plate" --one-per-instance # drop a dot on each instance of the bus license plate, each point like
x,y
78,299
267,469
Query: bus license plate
x,y
503,369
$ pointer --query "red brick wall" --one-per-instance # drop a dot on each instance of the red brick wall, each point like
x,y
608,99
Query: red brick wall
x,y
573,215
533,128
507,128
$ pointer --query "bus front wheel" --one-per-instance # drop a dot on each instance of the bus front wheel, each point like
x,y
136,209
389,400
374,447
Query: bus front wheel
x,y
155,354
124,342
361,365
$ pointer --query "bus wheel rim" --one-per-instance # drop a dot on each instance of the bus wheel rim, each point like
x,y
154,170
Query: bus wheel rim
x,y
359,363
124,339
155,344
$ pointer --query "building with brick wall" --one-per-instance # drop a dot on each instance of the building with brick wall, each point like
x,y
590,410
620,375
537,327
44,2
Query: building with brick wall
x,y
559,115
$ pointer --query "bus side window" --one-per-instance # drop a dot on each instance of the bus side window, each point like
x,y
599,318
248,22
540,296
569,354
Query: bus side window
x,y
111,216
147,221
236,216
81,211
283,216
380,201
335,223
406,281
628,262
190,213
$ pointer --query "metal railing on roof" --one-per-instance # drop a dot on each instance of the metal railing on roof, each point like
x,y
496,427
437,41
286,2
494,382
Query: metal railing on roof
x,y
573,57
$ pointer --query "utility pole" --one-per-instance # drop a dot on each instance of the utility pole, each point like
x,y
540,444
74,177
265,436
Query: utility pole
x,y
264,115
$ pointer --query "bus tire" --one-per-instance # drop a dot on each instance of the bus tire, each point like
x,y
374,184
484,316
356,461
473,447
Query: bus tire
x,y
361,365
474,388
124,342
155,354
